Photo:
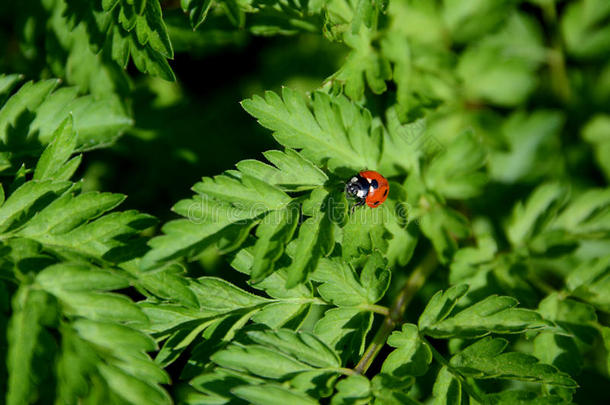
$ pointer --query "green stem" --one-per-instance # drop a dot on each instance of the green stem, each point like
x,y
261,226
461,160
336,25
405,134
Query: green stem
x,y
378,309
556,59
559,74
397,310
346,371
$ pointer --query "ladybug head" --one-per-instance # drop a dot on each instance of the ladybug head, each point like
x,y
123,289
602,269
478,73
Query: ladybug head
x,y
357,187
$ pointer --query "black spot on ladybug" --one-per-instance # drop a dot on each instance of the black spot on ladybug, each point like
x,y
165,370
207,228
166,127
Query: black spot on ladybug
x,y
374,183
385,192
376,203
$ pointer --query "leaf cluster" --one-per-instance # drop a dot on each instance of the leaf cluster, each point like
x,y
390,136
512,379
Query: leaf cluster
x,y
483,278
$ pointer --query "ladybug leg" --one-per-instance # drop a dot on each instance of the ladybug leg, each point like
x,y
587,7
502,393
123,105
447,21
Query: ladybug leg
x,y
358,204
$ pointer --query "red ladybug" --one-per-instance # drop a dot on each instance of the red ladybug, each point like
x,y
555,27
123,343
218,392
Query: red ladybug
x,y
368,187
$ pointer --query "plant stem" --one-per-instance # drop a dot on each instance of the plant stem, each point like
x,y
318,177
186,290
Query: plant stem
x,y
378,309
556,59
397,310
559,75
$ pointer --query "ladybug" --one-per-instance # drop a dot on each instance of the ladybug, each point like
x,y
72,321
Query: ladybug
x,y
368,187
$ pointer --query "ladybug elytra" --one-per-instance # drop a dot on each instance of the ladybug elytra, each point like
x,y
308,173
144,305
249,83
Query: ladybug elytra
x,y
368,187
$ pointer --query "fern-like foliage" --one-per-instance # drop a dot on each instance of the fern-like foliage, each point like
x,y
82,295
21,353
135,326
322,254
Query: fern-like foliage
x,y
483,278
62,251
336,260
30,117
126,29
333,134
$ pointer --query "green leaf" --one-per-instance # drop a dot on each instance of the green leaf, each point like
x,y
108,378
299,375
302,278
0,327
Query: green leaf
x,y
443,225
587,214
150,30
344,330
559,351
30,308
530,218
249,193
117,338
268,394
80,277
36,112
455,172
207,220
275,284
71,57
468,261
283,314
375,277
392,391
141,33
484,359
24,102
365,232
181,338
292,172
150,62
412,355
100,306
259,360
528,139
164,317
67,213
133,389
494,314
317,383
57,153
590,281
341,286
30,194
471,20
355,389
403,238
7,83
441,305
315,240
339,283
215,336
68,223
403,143
97,122
523,397
423,69
120,340
218,295
303,346
217,385
170,284
75,365
274,233
197,10
336,131
584,29
105,237
234,12
596,132
577,319
447,389
499,68
362,62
